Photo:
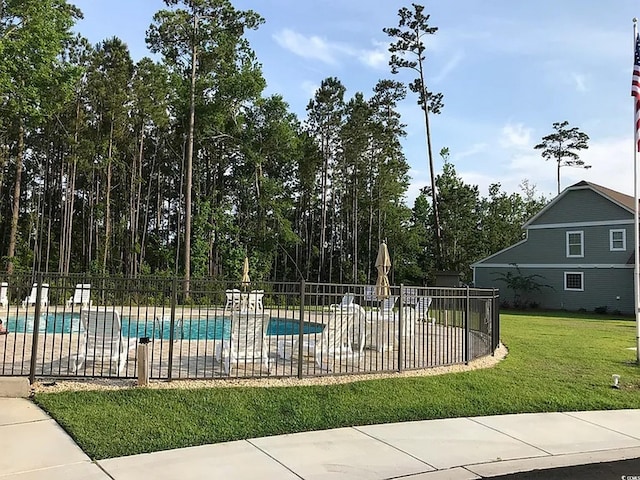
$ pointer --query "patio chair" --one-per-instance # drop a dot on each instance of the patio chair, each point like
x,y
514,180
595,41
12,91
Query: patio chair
x,y
383,327
410,296
254,301
102,339
369,293
386,308
233,299
333,344
356,330
81,296
347,301
247,342
422,310
4,300
32,298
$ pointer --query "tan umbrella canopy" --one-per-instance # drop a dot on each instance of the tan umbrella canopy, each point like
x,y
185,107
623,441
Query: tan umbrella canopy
x,y
383,264
245,273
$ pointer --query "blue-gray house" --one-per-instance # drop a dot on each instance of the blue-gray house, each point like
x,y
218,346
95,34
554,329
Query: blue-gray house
x,y
580,247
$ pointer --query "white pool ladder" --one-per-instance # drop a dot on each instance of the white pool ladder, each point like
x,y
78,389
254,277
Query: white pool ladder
x,y
158,324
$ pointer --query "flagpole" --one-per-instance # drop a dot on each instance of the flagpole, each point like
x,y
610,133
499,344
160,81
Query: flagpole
x,y
636,226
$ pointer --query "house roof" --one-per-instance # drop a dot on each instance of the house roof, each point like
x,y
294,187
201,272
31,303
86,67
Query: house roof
x,y
621,199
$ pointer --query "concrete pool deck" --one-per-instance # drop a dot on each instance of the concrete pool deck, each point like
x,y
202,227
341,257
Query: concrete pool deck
x,y
429,345
36,447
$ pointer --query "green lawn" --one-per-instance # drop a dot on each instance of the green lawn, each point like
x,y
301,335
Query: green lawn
x,y
556,362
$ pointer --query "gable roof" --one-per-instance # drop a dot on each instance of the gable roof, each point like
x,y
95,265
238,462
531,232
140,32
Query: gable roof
x,y
621,199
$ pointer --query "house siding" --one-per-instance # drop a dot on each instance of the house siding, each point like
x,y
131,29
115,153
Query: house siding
x,y
549,245
603,287
607,275
582,205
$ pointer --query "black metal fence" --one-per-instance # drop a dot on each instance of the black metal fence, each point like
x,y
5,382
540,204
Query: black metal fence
x,y
92,327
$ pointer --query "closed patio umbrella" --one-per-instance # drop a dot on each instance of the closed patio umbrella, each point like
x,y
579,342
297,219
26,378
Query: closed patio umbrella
x,y
245,273
383,264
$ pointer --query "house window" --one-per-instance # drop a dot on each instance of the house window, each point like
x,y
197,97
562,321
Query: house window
x,y
617,240
574,281
575,244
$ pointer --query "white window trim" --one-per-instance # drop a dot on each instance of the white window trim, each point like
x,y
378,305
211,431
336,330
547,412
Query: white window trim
x,y
581,281
624,240
573,232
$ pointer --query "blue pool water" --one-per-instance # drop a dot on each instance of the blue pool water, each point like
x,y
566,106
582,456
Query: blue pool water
x,y
216,328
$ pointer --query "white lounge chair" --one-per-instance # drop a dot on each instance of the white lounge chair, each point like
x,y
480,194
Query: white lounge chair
x,y
233,299
102,339
347,301
247,343
386,309
422,310
4,299
383,328
334,343
369,293
81,296
33,296
254,301
410,296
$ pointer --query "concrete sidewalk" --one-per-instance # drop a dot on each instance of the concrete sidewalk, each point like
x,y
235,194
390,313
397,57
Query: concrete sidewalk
x,y
33,446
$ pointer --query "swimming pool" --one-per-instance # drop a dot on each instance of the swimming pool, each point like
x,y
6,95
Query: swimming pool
x,y
214,328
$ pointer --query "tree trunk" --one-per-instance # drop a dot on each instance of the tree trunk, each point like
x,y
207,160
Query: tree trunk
x,y
355,232
145,228
434,193
107,210
15,214
134,206
69,200
323,215
189,166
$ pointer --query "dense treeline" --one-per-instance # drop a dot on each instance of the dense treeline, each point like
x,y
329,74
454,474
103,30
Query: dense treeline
x,y
182,166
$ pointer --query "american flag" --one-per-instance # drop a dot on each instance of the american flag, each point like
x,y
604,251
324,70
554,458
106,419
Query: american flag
x,y
635,89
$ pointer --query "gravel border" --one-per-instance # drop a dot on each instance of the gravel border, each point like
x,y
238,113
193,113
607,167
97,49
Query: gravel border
x,y
55,386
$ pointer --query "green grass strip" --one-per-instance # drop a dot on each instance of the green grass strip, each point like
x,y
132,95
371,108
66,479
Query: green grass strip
x,y
556,362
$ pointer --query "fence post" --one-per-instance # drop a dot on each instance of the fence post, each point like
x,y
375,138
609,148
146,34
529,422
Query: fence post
x,y
143,361
174,299
467,327
400,320
36,328
495,321
303,288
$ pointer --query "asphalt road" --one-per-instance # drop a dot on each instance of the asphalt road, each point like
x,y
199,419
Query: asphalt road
x,y
621,470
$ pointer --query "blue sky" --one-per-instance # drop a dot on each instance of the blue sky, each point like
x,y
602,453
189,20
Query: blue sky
x,y
507,69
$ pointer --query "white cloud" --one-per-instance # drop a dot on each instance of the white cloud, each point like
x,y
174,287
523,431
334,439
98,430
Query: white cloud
x,y
515,136
317,48
580,82
482,180
413,191
556,74
309,88
377,57
611,161
549,37
471,151
448,67
312,47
